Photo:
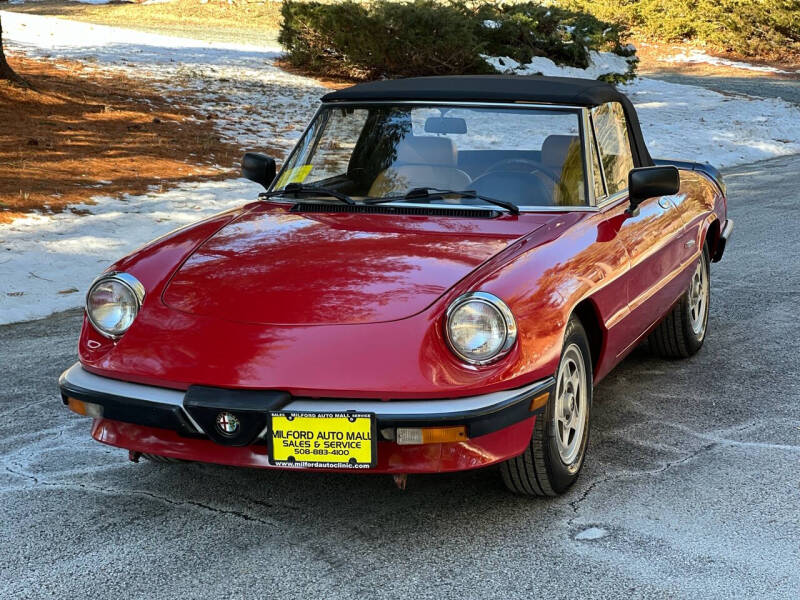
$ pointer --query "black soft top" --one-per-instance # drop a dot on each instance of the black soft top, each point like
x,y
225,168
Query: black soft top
x,y
501,88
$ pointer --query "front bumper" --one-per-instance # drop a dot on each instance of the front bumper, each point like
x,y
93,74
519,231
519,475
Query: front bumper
x,y
156,420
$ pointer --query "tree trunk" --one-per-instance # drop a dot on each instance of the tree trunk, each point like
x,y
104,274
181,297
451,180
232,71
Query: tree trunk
x,y
6,72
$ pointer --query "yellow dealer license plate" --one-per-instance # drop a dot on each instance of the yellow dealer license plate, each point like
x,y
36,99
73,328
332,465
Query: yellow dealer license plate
x,y
323,440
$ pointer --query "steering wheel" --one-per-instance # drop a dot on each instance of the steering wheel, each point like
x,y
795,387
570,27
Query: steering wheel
x,y
519,187
525,164
545,174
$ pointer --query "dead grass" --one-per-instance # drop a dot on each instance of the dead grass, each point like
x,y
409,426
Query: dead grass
x,y
332,83
79,134
215,20
652,58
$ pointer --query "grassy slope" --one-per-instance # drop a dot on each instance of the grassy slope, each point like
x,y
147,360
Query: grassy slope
x,y
255,23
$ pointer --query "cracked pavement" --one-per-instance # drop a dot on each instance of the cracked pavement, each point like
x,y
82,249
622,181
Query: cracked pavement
x,y
691,486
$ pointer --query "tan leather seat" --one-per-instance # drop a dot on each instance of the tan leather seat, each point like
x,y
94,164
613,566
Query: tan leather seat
x,y
424,161
562,154
555,150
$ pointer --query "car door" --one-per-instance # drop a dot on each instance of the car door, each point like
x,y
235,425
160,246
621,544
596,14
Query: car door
x,y
651,237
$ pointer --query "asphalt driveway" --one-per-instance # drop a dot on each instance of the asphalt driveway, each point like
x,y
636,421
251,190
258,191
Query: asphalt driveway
x,y
691,488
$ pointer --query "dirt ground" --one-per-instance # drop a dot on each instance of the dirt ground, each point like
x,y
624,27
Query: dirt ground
x,y
79,134
653,58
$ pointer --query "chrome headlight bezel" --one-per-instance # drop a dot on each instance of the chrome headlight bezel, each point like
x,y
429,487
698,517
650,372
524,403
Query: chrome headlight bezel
x,y
507,318
130,283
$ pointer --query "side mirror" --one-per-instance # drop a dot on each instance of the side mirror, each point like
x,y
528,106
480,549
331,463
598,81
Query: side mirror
x,y
259,168
649,182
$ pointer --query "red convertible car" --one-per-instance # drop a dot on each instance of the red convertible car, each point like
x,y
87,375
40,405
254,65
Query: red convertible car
x,y
434,281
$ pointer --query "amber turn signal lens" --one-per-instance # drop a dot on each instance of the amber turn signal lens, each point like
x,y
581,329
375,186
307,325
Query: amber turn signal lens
x,y
76,406
87,409
407,436
539,401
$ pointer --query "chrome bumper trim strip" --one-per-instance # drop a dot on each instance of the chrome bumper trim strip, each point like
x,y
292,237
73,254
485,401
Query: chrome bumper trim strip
x,y
77,376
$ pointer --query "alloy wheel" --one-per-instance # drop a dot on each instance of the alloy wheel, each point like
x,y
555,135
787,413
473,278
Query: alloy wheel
x,y
698,299
570,404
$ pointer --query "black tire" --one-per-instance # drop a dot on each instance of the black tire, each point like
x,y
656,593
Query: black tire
x,y
677,336
540,470
157,458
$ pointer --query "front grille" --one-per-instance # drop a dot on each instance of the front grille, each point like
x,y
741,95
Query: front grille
x,y
383,209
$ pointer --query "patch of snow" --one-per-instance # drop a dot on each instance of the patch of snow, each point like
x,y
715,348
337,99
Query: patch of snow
x,y
591,534
48,261
600,63
74,39
693,123
698,56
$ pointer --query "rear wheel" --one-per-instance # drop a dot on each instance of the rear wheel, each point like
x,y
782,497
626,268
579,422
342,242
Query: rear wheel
x,y
554,456
681,333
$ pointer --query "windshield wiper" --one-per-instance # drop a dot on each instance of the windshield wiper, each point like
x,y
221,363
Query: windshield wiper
x,y
298,189
426,193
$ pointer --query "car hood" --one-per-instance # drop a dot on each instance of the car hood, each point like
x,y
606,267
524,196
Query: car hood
x,y
275,266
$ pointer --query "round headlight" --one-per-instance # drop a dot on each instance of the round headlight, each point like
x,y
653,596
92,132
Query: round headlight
x,y
480,327
113,302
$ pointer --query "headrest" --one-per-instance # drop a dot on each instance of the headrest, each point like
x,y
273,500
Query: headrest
x,y
427,150
555,149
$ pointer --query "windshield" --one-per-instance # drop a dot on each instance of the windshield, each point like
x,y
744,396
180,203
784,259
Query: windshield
x,y
532,157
